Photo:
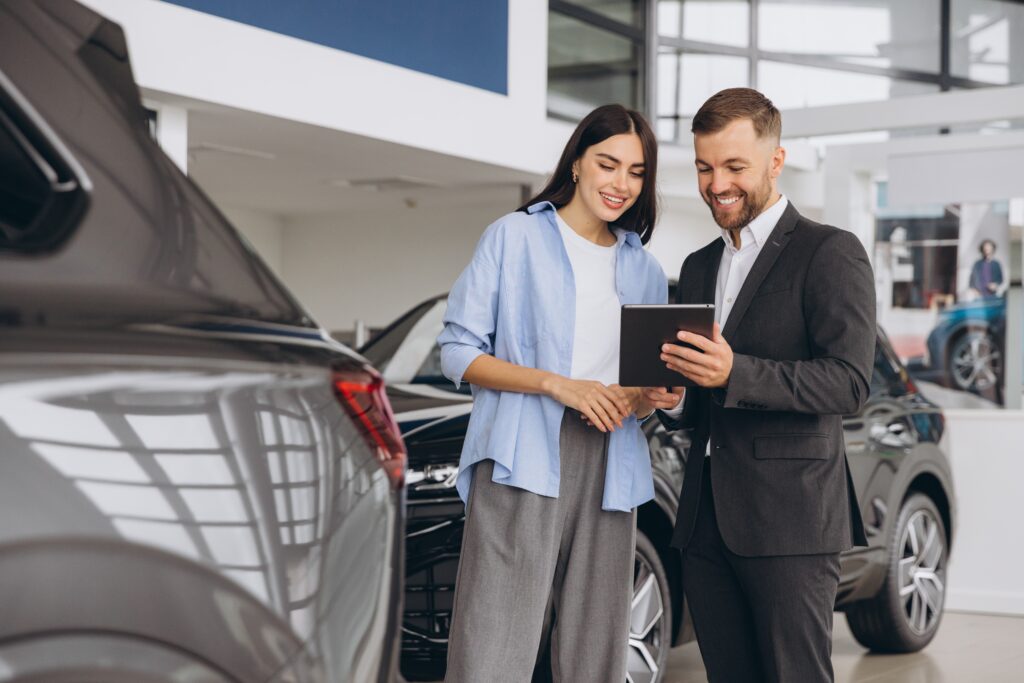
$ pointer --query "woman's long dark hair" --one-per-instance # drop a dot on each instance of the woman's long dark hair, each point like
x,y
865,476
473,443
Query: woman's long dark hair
x,y
599,125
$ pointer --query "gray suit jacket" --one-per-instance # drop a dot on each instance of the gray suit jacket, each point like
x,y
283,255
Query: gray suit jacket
x,y
803,334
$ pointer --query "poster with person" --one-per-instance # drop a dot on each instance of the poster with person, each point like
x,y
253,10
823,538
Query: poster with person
x,y
942,279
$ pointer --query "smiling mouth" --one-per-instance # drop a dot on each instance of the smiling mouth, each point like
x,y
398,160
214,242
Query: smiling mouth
x,y
612,199
727,201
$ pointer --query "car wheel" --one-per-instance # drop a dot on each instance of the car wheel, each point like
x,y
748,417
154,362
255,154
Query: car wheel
x,y
650,619
905,614
975,361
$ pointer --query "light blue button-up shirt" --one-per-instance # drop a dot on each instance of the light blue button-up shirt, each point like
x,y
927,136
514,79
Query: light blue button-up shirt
x,y
516,300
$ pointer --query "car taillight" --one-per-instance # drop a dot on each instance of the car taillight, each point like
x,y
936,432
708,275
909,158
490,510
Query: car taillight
x,y
361,393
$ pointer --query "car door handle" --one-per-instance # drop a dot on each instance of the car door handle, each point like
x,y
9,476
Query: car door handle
x,y
893,435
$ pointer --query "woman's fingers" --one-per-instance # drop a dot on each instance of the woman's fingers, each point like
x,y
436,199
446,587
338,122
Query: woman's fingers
x,y
605,410
594,416
611,408
620,398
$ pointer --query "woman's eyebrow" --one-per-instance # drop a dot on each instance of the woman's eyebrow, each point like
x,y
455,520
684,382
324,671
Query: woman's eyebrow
x,y
609,157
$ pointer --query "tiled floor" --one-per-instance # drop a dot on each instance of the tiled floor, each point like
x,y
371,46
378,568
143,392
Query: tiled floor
x,y
968,648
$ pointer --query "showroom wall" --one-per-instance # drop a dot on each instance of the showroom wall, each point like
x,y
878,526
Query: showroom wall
x,y
375,265
265,233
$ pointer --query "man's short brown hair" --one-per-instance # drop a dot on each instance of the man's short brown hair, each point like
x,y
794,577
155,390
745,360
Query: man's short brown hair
x,y
731,104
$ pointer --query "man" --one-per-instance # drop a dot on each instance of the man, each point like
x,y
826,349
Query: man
x,y
767,502
987,273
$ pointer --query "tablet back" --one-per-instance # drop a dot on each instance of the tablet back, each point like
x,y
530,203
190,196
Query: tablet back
x,y
645,328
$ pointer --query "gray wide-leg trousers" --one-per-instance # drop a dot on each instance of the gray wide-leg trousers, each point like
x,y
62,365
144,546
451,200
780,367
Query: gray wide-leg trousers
x,y
528,560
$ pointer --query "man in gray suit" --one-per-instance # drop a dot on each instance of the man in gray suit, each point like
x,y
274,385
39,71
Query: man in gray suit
x,y
767,502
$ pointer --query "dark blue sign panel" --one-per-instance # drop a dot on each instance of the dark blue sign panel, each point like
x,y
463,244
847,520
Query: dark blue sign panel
x,y
461,40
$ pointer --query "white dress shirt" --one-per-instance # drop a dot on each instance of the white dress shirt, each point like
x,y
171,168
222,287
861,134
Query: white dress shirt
x,y
735,267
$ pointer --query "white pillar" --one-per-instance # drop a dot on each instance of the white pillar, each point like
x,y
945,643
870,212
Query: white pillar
x,y
172,132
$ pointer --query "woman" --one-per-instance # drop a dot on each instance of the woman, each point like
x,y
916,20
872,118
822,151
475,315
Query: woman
x,y
554,462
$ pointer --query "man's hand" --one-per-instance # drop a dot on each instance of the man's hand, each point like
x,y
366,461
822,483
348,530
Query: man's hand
x,y
709,369
661,398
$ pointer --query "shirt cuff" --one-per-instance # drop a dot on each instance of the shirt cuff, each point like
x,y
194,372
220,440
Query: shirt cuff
x,y
456,359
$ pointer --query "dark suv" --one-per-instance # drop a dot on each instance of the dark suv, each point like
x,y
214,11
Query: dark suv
x,y
892,591
197,483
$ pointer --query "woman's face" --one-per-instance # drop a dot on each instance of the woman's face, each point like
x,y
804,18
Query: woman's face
x,y
611,176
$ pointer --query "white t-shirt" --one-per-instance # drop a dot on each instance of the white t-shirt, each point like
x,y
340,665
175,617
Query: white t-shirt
x,y
595,347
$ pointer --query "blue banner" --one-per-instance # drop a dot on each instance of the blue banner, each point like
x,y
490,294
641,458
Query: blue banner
x,y
461,40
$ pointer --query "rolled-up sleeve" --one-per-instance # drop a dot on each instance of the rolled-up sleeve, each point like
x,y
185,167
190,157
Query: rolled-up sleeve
x,y
471,317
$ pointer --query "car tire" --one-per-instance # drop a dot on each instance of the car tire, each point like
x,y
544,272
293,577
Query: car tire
x,y
906,612
650,625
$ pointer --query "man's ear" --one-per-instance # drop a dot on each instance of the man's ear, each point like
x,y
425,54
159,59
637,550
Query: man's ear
x,y
778,161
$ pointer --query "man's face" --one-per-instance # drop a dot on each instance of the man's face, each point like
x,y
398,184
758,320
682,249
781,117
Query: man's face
x,y
737,172
988,249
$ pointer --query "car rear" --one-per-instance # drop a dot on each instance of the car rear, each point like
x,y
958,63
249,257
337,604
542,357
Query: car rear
x,y
197,481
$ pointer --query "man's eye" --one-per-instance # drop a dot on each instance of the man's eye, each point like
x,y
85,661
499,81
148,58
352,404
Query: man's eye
x,y
735,169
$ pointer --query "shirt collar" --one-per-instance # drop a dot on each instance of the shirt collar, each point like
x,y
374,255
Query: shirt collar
x,y
761,227
630,237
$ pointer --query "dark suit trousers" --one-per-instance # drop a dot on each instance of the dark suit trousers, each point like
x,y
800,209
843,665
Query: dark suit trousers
x,y
758,618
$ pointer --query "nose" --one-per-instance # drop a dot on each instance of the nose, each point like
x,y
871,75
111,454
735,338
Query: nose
x,y
620,182
719,182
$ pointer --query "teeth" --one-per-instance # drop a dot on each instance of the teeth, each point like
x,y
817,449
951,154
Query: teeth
x,y
726,201
613,200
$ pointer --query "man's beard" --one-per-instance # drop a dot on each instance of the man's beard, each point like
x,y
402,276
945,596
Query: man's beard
x,y
753,206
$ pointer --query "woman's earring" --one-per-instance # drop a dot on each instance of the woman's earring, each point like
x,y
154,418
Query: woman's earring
x,y
575,178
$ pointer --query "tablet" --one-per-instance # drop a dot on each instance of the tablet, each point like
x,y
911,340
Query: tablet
x,y
645,328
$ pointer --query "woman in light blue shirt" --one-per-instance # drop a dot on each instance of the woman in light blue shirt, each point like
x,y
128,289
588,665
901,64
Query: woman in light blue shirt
x,y
554,463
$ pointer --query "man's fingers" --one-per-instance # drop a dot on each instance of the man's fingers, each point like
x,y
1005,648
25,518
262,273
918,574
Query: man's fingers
x,y
717,334
698,340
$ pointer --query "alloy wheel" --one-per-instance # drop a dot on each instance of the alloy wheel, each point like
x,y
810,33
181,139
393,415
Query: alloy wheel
x,y
976,362
646,614
922,574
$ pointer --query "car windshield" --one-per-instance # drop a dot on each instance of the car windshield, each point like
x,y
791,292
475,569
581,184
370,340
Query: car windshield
x,y
407,352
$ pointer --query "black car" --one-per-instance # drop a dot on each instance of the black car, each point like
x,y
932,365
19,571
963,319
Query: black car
x,y
198,483
892,591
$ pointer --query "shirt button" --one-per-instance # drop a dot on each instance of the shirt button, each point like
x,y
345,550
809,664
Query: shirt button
x,y
729,300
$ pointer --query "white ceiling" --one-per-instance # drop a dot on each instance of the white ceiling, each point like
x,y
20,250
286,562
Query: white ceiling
x,y
252,161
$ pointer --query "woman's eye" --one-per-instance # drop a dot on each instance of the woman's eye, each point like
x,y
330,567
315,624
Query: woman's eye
x,y
703,170
606,168
637,175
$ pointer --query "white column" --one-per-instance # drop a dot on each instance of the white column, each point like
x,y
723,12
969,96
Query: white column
x,y
172,132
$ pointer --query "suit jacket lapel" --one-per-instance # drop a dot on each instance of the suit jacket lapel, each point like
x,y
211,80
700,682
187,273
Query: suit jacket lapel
x,y
762,266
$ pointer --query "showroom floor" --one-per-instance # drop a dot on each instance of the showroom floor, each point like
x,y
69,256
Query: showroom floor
x,y
968,647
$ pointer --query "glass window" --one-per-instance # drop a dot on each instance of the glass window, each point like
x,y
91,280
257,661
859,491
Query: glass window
x,y
791,86
24,189
901,34
625,11
726,22
686,80
981,35
588,67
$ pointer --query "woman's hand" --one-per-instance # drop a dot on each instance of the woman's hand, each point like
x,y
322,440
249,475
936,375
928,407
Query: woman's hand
x,y
604,407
